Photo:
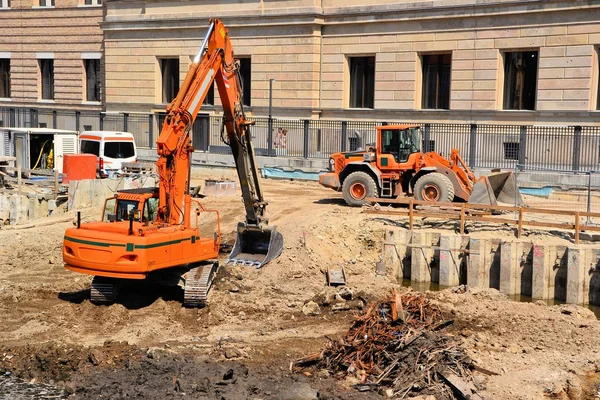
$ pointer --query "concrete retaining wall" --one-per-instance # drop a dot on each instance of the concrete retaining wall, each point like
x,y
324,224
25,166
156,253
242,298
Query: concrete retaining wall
x,y
17,209
93,192
537,270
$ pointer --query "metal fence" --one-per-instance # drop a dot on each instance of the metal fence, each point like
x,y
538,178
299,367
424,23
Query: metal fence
x,y
568,148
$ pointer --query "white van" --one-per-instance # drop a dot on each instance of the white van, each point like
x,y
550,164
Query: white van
x,y
112,149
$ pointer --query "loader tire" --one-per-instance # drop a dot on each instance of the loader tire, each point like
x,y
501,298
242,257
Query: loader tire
x,y
357,187
434,187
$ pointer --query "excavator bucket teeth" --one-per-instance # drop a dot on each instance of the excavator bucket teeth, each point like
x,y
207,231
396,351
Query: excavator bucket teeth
x,y
499,187
255,247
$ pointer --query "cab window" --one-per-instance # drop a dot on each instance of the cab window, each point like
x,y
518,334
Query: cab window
x,y
124,208
109,208
150,207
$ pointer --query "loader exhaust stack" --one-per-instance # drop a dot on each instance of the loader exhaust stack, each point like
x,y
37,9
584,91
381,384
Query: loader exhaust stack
x,y
498,187
255,246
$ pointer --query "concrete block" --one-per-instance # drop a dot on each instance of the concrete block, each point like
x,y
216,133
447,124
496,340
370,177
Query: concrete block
x,y
558,273
540,283
508,268
219,188
449,260
476,263
43,208
420,258
19,209
4,207
33,208
395,253
576,274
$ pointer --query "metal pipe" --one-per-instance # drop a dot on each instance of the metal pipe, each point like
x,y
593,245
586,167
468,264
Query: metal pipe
x,y
211,27
78,219
589,197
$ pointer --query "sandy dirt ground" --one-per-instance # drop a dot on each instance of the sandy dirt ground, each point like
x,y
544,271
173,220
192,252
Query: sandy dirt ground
x,y
241,345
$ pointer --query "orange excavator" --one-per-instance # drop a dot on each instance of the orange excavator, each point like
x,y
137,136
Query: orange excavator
x,y
148,234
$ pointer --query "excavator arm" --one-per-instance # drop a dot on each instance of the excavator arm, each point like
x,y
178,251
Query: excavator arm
x,y
255,243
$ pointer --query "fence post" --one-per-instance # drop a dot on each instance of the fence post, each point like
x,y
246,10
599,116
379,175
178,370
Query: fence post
x,y
523,145
101,121
125,122
77,120
270,137
151,130
33,117
54,119
473,146
344,135
589,197
306,137
576,148
426,138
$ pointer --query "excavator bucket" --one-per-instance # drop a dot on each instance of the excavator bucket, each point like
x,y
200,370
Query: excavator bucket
x,y
499,187
255,247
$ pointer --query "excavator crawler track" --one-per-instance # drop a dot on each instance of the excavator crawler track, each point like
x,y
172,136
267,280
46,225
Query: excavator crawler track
x,y
198,282
103,290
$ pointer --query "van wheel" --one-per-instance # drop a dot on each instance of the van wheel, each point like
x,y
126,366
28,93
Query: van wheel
x,y
434,188
357,187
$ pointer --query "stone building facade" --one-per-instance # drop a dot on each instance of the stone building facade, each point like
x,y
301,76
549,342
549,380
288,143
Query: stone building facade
x,y
51,54
507,61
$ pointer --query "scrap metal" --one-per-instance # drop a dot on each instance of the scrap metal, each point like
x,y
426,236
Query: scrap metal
x,y
398,344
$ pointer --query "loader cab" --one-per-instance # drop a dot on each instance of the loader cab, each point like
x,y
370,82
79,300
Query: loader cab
x,y
396,144
142,203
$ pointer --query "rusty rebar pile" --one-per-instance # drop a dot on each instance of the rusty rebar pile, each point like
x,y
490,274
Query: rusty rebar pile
x,y
396,344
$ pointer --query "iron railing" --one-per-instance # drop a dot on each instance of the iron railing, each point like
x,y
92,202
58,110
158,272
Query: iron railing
x,y
575,148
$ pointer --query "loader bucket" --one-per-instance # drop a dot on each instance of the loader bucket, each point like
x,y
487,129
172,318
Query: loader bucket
x,y
496,188
255,247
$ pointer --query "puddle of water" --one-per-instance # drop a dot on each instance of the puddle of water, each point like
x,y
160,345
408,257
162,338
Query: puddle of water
x,y
435,287
17,389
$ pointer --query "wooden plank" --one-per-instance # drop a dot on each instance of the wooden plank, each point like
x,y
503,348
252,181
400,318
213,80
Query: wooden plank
x,y
577,220
491,219
19,182
462,220
446,204
520,228
560,225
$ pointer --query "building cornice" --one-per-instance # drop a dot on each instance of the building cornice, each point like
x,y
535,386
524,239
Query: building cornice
x,y
399,12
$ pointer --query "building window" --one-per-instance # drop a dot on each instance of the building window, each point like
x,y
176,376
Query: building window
x,y
4,3
520,80
511,150
92,79
362,82
436,81
46,3
5,78
246,74
169,70
209,100
93,2
598,79
47,78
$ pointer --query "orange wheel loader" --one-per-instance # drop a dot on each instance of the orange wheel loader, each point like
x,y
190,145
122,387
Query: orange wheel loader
x,y
148,233
395,166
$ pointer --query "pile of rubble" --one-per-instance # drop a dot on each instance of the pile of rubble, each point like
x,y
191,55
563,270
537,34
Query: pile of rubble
x,y
398,347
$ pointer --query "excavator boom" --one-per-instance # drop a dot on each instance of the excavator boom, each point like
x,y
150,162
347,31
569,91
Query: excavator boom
x,y
255,244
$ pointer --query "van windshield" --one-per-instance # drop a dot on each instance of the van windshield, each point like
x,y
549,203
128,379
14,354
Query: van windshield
x,y
90,147
119,150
